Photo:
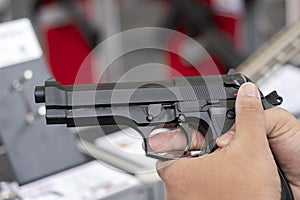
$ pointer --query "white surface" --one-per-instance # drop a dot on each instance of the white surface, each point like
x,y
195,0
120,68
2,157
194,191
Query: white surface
x,y
286,81
126,144
233,7
292,11
89,181
18,43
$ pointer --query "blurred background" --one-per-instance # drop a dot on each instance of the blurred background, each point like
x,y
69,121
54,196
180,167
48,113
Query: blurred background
x,y
92,41
230,30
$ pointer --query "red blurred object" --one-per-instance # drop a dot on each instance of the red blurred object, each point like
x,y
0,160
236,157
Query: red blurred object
x,y
227,23
66,50
181,67
65,47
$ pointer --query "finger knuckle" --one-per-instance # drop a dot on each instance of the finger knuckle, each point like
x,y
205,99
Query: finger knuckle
x,y
280,111
282,117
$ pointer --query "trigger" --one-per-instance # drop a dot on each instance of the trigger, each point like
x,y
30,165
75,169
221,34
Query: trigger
x,y
188,134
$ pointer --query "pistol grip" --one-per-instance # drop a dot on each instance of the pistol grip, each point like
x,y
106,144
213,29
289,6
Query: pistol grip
x,y
221,120
286,192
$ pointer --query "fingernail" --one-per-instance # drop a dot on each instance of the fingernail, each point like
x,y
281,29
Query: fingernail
x,y
249,89
226,138
231,133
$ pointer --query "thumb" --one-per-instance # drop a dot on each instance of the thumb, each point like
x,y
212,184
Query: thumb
x,y
250,119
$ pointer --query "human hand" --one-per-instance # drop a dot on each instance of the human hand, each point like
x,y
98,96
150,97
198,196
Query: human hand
x,y
242,169
283,131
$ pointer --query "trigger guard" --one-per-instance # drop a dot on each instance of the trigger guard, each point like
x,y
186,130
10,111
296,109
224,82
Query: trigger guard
x,y
188,134
144,132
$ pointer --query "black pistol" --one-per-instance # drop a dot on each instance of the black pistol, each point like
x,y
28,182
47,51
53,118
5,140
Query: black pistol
x,y
206,103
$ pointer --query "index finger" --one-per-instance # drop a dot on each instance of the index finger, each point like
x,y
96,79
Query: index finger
x,y
174,140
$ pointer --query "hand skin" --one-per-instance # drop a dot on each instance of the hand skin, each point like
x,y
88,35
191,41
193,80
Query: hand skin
x,y
244,168
283,131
